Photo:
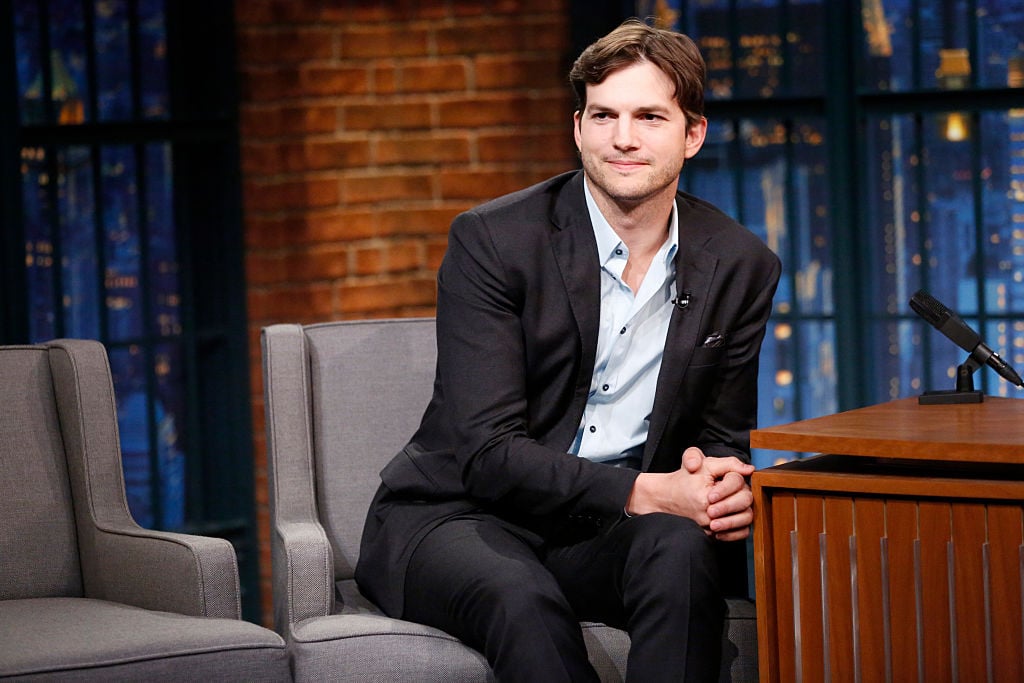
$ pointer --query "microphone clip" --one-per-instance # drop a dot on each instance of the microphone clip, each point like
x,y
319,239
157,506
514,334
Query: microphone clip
x,y
681,301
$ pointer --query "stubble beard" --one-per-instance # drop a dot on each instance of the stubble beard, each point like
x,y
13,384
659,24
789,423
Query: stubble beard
x,y
630,191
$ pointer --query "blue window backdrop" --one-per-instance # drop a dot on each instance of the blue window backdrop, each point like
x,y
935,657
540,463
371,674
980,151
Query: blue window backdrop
x,y
99,227
122,223
878,148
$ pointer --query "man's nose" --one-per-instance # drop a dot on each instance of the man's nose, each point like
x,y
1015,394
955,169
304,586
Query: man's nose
x,y
625,134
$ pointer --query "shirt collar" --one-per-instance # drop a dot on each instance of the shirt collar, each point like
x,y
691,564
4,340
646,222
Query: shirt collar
x,y
608,241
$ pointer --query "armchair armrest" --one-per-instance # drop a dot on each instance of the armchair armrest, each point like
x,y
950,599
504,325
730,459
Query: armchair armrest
x,y
303,574
170,572
121,561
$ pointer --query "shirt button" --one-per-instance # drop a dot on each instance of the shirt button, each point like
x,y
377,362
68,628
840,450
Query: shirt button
x,y
593,429
618,252
622,331
604,387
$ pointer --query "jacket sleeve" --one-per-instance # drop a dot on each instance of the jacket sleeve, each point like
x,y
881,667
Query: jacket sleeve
x,y
483,369
729,410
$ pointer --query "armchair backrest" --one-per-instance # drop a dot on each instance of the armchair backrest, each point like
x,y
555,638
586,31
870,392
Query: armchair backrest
x,y
38,541
346,398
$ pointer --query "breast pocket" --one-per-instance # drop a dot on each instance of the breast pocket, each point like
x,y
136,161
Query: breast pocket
x,y
704,356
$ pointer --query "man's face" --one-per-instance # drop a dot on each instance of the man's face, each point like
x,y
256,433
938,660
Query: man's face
x,y
633,137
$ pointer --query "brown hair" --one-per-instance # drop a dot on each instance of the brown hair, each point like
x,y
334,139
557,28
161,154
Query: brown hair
x,y
634,42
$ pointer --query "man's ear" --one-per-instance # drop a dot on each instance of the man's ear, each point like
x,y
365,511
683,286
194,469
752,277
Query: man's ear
x,y
576,119
695,134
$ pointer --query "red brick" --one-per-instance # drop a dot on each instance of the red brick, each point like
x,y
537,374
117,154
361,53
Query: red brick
x,y
514,35
384,79
498,108
437,75
327,262
378,188
260,158
369,41
388,258
309,119
262,268
291,194
405,256
265,233
270,84
481,185
325,154
333,81
398,115
292,303
284,45
363,297
413,221
259,122
528,146
422,149
512,71
435,253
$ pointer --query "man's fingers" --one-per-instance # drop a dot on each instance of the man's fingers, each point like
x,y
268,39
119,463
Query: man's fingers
x,y
730,505
693,459
719,467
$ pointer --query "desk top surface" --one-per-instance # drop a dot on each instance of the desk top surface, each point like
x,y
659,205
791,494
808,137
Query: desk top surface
x,y
990,431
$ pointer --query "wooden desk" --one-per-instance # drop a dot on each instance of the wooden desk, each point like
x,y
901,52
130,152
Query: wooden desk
x,y
899,556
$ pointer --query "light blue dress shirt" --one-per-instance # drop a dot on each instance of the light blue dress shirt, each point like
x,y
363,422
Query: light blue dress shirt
x,y
630,344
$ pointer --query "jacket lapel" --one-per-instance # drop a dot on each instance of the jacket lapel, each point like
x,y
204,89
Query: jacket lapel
x,y
695,271
575,252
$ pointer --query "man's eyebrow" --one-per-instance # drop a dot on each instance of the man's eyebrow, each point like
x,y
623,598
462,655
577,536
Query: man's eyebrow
x,y
647,108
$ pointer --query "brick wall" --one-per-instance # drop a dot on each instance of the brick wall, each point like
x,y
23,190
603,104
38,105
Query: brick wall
x,y
365,127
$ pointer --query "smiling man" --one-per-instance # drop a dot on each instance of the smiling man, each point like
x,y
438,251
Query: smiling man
x,y
587,443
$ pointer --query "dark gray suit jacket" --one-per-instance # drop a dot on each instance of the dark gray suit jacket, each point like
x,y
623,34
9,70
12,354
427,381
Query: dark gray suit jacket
x,y
517,325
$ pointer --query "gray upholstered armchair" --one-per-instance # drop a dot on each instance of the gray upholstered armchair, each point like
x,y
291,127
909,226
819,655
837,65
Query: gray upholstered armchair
x,y
85,593
341,399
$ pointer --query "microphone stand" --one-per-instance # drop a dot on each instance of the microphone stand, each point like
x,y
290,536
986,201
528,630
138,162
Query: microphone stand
x,y
964,392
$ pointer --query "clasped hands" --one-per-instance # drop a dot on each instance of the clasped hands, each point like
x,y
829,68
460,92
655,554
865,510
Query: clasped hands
x,y
711,491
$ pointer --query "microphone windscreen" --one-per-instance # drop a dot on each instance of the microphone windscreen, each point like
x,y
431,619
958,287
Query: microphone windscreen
x,y
929,308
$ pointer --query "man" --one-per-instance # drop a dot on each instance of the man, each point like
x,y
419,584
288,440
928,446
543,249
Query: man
x,y
586,445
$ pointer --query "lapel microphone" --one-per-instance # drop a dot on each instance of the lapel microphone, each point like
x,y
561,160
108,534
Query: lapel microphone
x,y
681,301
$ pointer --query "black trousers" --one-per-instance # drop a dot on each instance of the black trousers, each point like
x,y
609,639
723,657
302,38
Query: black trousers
x,y
519,599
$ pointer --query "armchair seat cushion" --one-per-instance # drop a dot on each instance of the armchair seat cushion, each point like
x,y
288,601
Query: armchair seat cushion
x,y
366,647
86,639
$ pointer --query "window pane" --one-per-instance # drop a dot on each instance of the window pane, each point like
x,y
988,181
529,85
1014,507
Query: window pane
x,y
1000,35
170,420
153,59
28,51
951,247
776,383
764,200
122,243
165,295
888,35
711,174
817,369
811,255
894,239
708,23
805,47
80,277
68,63
37,222
128,366
1002,174
897,359
113,61
760,49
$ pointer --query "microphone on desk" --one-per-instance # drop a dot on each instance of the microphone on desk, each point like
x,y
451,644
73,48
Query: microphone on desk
x,y
949,323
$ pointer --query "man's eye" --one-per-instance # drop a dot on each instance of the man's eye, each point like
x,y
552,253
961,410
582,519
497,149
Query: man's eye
x,y
602,116
650,117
